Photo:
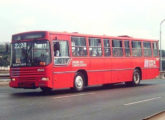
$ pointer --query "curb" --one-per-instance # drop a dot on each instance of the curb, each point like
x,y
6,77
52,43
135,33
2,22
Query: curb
x,y
4,83
158,116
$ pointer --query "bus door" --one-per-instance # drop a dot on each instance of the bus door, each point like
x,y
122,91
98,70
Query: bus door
x,y
62,75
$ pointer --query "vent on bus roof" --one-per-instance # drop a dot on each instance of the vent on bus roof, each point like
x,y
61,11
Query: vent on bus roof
x,y
124,36
75,32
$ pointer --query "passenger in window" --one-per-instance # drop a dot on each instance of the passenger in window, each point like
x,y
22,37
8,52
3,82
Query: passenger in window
x,y
81,52
57,53
99,44
99,52
73,51
127,52
77,51
56,50
134,51
94,52
107,52
118,52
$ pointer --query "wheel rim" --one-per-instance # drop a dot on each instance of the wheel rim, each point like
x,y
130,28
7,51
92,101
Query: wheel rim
x,y
79,82
136,77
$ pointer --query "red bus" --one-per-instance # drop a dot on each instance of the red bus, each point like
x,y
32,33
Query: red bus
x,y
53,60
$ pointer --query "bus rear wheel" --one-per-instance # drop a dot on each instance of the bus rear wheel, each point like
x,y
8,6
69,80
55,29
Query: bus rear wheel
x,y
46,89
136,78
79,82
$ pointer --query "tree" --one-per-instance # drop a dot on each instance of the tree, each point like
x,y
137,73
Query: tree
x,y
5,54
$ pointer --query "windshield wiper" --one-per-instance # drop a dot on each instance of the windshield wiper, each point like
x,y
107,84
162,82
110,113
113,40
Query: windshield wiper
x,y
29,53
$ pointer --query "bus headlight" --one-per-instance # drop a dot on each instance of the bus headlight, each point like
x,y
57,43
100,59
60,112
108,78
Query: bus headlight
x,y
44,78
13,79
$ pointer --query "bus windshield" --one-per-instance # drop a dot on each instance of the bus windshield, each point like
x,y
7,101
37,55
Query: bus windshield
x,y
31,53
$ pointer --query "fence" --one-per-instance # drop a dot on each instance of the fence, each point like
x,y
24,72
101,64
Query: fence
x,y
4,68
163,64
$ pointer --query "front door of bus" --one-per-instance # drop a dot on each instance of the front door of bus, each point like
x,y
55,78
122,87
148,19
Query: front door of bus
x,y
61,68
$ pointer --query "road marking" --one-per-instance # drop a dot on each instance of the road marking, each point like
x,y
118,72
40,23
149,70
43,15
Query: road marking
x,y
60,97
141,101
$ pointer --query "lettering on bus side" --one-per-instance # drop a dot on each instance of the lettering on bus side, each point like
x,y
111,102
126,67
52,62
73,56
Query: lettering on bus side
x,y
149,63
78,64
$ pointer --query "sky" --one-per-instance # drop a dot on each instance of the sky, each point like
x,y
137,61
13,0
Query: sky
x,y
136,18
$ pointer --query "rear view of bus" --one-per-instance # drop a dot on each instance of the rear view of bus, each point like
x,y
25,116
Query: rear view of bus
x,y
30,60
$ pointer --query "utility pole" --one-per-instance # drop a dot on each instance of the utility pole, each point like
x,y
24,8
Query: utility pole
x,y
161,44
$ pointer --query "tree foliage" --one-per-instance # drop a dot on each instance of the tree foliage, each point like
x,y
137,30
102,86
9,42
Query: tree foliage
x,y
5,54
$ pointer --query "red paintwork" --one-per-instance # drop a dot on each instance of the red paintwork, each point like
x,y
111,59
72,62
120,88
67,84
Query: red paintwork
x,y
95,67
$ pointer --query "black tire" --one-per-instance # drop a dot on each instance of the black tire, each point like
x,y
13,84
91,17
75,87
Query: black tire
x,y
136,78
128,83
79,82
107,85
46,89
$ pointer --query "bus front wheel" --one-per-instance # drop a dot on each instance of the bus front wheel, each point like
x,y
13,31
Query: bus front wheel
x,y
46,89
79,82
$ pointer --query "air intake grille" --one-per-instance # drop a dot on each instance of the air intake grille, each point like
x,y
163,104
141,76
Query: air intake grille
x,y
22,72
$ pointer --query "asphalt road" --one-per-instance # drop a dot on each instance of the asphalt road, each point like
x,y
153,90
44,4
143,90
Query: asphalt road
x,y
117,102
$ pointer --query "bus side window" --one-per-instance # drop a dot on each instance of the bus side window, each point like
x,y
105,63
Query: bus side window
x,y
155,49
61,52
136,48
56,49
127,48
117,48
147,49
95,47
107,50
79,46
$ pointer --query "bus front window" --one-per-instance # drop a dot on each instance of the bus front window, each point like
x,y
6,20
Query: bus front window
x,y
41,53
33,53
19,54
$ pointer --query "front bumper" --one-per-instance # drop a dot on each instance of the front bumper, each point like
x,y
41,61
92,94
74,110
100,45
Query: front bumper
x,y
30,83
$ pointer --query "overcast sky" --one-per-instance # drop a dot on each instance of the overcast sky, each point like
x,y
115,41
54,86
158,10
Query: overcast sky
x,y
136,18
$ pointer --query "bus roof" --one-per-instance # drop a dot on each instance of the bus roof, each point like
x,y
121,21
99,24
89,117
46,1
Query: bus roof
x,y
123,37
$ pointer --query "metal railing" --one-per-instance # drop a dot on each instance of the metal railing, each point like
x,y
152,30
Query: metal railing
x,y
163,64
2,68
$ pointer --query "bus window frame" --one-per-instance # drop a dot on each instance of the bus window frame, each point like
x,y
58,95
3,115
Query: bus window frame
x,y
141,48
122,47
101,43
109,41
71,46
147,48
157,46
69,56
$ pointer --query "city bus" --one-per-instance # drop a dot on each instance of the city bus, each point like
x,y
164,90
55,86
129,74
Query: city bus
x,y
57,60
